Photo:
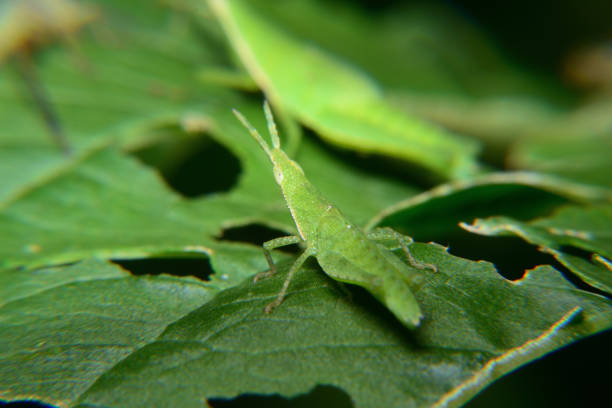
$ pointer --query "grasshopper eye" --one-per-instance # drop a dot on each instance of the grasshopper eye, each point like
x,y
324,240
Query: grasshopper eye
x,y
278,175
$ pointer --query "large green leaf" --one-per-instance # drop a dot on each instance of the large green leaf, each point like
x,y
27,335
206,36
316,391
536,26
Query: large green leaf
x,y
576,146
342,104
95,210
61,328
416,38
443,67
570,228
92,209
478,326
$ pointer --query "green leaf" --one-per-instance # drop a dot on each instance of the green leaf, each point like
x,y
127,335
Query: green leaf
x,y
575,146
155,64
572,227
135,70
90,208
61,328
96,211
64,219
478,326
428,49
337,180
23,168
343,105
497,120
434,214
433,62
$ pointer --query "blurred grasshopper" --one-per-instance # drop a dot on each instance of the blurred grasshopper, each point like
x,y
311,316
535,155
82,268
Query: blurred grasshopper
x,y
27,25
343,250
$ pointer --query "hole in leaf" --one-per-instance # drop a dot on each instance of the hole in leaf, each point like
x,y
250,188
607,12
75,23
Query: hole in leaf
x,y
511,255
192,166
320,396
256,234
197,267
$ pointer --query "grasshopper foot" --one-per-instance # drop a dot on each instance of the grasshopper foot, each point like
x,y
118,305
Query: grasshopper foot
x,y
271,306
422,265
264,275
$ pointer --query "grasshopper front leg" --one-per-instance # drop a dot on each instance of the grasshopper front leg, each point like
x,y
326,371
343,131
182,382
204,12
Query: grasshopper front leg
x,y
294,268
268,246
388,234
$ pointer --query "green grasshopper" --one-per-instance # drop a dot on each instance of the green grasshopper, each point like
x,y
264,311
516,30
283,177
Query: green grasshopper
x,y
343,250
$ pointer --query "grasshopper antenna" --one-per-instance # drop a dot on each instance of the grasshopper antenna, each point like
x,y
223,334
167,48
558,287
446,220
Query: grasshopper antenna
x,y
253,131
271,125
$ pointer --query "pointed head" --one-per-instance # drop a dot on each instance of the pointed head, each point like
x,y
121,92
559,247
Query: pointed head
x,y
282,163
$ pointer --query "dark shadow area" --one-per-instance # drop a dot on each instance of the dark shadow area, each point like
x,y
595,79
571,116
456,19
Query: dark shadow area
x,y
439,217
576,281
256,234
578,252
375,310
574,376
546,33
192,166
384,167
25,404
322,396
197,267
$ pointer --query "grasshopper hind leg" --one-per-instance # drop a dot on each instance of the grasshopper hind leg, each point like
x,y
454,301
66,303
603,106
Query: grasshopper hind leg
x,y
414,262
389,234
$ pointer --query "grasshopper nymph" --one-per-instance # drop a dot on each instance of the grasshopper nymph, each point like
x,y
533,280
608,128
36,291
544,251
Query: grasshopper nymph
x,y
343,250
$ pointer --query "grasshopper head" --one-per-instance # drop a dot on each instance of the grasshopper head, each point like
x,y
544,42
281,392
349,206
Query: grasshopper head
x,y
285,169
283,165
